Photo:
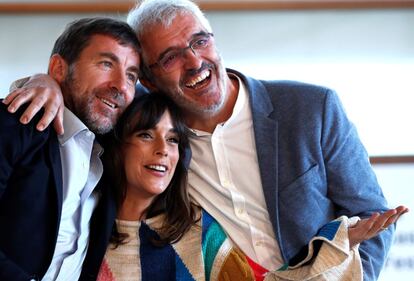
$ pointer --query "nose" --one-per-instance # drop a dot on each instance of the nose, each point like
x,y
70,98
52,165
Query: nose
x,y
119,82
161,148
192,59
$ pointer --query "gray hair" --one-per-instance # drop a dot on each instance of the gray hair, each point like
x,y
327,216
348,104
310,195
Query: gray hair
x,y
153,12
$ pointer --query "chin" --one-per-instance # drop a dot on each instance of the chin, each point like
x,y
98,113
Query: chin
x,y
212,107
99,123
101,128
159,189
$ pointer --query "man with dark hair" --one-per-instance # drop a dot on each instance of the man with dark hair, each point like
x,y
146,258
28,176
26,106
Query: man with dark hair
x,y
47,182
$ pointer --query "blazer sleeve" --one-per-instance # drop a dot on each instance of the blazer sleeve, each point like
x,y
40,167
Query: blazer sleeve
x,y
14,137
352,184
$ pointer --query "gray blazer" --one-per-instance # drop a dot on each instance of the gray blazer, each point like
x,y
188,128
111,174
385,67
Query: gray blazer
x,y
313,166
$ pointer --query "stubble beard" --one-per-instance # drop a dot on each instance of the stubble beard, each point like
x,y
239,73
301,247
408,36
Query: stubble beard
x,y
192,107
99,122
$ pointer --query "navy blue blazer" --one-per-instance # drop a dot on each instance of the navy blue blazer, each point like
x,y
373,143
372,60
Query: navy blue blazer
x,y
30,198
313,166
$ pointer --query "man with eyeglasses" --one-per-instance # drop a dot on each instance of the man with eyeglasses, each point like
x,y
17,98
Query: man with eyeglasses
x,y
272,161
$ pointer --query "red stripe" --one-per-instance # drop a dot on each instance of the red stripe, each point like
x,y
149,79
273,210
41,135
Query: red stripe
x,y
258,270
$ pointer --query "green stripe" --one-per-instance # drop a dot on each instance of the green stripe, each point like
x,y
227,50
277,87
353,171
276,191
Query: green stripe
x,y
214,238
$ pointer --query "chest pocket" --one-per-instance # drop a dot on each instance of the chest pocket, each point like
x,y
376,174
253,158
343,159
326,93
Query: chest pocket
x,y
303,208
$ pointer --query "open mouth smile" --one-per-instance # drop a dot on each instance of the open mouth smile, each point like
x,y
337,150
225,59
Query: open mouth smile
x,y
108,103
157,168
199,81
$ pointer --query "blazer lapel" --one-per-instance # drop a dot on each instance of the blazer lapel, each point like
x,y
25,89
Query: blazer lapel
x,y
56,164
102,222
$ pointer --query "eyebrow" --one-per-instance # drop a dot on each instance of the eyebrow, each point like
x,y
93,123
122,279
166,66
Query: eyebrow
x,y
200,33
113,57
173,129
108,55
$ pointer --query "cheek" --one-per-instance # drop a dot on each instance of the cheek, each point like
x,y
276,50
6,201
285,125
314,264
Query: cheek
x,y
174,159
92,75
168,81
130,92
216,57
131,165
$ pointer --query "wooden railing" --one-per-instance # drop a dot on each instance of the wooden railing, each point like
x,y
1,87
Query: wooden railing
x,y
67,6
406,159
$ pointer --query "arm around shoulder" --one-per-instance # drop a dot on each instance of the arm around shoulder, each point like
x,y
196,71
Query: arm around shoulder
x,y
40,91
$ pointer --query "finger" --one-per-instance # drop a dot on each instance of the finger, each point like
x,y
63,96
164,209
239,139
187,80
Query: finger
x,y
58,121
381,222
34,107
370,223
400,210
362,230
12,100
396,215
50,112
358,232
371,226
22,96
386,219
11,96
390,221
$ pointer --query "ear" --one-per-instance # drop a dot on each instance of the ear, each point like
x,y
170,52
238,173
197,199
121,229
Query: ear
x,y
149,85
58,68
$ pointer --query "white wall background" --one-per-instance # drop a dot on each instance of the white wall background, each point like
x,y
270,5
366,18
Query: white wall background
x,y
366,55
397,182
26,43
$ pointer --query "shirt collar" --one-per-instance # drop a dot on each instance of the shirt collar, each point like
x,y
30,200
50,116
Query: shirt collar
x,y
72,125
240,103
241,98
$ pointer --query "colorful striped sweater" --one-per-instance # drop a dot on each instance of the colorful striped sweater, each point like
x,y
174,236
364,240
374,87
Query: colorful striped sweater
x,y
204,253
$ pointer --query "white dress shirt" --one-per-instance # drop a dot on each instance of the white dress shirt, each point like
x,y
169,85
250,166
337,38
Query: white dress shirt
x,y
81,171
224,179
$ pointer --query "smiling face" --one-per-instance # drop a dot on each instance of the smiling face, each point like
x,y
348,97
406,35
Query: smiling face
x,y
199,85
101,83
150,159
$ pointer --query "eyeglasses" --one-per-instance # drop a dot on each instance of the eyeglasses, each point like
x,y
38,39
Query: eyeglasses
x,y
174,59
